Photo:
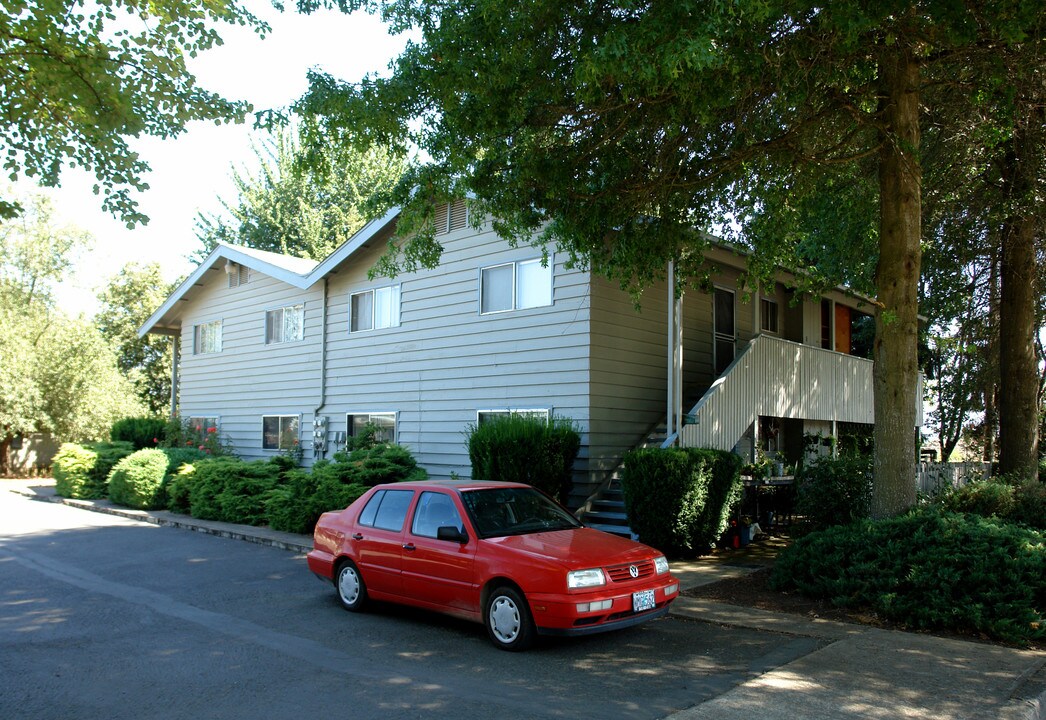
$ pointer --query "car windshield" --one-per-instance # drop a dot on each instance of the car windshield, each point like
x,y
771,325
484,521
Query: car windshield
x,y
515,511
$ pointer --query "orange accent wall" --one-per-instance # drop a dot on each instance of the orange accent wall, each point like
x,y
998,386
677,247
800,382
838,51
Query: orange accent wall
x,y
842,329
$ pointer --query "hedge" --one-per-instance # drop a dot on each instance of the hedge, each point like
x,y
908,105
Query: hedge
x,y
82,471
679,499
518,448
834,491
929,569
141,432
137,480
231,490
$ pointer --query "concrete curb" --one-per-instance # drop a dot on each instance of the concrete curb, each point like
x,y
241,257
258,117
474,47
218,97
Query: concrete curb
x,y
301,544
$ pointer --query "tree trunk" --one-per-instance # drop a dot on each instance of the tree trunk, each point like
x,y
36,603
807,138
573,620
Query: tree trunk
x,y
895,375
1018,368
991,363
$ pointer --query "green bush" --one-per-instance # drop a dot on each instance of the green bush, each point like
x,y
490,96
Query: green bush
x,y
180,433
987,498
137,480
71,467
518,448
834,491
179,487
141,432
679,499
1030,504
231,490
297,503
82,471
929,569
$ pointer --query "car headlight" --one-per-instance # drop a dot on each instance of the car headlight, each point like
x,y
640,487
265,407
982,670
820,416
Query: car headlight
x,y
585,578
661,565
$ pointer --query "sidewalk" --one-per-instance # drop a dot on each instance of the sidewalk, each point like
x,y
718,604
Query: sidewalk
x,y
861,672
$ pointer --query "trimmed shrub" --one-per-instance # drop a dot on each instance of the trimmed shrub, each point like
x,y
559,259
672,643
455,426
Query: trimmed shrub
x,y
987,498
928,570
141,432
297,503
518,448
834,491
81,471
178,488
231,490
71,467
137,480
679,499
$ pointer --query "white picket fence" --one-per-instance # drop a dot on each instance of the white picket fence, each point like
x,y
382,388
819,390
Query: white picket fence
x,y
932,478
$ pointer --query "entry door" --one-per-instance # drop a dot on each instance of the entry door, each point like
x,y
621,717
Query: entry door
x,y
725,329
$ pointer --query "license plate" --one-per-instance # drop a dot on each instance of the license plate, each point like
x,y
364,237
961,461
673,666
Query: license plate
x,y
643,600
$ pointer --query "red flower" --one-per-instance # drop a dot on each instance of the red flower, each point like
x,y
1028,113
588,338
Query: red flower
x,y
212,429
202,447
188,442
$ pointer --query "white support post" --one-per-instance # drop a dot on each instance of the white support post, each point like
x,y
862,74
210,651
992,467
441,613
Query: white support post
x,y
671,347
174,375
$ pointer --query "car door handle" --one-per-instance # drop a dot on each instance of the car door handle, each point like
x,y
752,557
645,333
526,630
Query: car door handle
x,y
357,536
409,547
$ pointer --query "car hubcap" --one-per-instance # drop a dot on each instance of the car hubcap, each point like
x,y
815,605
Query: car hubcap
x,y
348,585
504,619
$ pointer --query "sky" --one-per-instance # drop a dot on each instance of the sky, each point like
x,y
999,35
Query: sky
x,y
190,173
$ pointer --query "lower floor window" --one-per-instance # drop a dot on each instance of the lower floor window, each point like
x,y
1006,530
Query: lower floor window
x,y
384,425
204,424
485,416
279,432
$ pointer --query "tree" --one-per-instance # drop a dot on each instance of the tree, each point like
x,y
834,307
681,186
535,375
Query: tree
x,y
81,79
57,374
300,202
127,301
612,129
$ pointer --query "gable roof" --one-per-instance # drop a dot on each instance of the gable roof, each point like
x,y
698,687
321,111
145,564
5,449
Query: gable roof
x,y
297,272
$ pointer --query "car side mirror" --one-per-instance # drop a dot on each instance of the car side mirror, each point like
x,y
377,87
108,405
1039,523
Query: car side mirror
x,y
451,533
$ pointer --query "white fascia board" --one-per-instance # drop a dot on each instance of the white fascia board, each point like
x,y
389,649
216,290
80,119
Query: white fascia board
x,y
350,246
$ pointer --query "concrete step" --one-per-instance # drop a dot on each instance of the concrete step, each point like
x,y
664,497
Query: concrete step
x,y
606,518
622,530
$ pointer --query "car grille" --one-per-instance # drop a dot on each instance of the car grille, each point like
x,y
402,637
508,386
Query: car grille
x,y
621,573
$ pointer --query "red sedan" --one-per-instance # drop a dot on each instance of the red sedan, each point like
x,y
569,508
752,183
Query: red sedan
x,y
499,553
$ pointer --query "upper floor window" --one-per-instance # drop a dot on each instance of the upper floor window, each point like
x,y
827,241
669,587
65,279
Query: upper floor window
x,y
768,315
515,286
384,425
207,337
286,324
279,432
374,309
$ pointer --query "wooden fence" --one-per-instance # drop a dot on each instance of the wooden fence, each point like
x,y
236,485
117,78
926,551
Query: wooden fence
x,y
932,478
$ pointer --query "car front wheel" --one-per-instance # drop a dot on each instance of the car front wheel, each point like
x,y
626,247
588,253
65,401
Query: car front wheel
x,y
508,620
352,592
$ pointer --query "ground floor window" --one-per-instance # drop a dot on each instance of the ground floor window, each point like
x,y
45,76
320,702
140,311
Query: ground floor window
x,y
484,416
279,432
204,424
383,422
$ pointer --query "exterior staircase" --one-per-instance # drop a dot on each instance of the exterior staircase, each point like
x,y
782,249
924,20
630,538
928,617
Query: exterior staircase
x,y
607,511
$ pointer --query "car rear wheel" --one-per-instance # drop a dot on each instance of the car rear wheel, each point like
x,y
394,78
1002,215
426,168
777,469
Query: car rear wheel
x,y
352,592
508,620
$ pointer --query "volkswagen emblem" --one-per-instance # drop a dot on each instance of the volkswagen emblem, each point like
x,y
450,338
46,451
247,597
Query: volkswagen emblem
x,y
633,571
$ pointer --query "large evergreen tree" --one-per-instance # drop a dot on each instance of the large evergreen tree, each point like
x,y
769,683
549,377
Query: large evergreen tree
x,y
614,128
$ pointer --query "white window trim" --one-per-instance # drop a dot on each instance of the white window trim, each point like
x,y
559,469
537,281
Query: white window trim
x,y
399,306
284,308
550,268
281,416
395,421
515,411
195,334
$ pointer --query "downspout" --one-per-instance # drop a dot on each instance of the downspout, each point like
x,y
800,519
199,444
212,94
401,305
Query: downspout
x,y
175,340
670,425
323,372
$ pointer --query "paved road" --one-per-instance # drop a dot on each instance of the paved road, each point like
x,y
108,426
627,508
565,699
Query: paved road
x,y
102,617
